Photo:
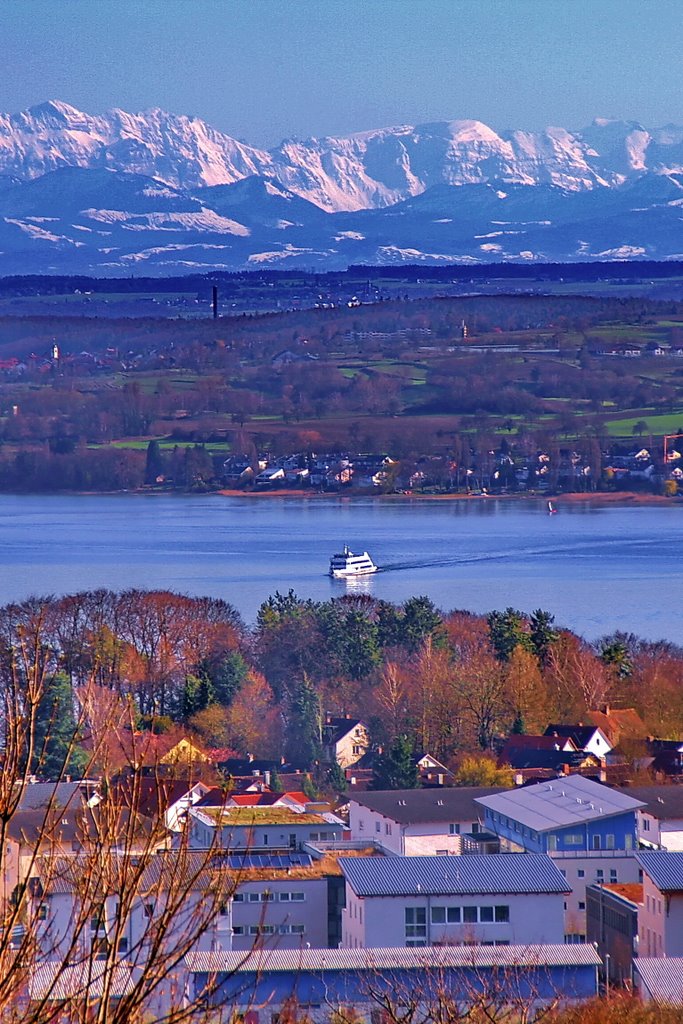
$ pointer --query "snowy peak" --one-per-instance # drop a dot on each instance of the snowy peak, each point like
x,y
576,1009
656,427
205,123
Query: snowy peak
x,y
366,170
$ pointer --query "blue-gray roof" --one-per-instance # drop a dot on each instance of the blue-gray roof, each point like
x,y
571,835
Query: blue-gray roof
x,y
664,867
563,802
264,960
662,977
473,874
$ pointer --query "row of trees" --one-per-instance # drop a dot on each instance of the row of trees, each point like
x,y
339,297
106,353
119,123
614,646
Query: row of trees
x,y
451,684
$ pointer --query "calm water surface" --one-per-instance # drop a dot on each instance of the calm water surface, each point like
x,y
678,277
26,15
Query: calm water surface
x,y
596,568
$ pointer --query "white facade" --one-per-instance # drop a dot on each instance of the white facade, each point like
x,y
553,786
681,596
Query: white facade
x,y
416,839
287,913
604,868
665,832
660,921
419,920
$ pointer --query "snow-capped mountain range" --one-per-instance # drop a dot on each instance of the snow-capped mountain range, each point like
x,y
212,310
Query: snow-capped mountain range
x,y
104,193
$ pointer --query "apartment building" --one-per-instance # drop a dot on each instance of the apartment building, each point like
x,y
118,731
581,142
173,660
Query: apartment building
x,y
481,899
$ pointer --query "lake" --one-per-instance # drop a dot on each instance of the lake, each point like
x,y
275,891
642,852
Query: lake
x,y
596,568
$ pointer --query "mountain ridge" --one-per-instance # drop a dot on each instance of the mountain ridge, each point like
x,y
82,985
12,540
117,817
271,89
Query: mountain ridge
x,y
109,194
364,170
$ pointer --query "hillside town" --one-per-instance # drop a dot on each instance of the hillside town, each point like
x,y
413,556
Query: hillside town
x,y
563,879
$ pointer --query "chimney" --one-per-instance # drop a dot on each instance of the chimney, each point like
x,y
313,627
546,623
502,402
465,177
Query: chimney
x,y
214,301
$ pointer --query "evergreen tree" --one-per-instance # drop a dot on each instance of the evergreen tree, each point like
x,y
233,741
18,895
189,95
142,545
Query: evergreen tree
x,y
154,463
396,768
225,674
56,752
542,634
303,742
507,631
197,694
336,779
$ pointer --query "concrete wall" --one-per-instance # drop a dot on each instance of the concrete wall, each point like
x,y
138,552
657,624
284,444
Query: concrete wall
x,y
286,913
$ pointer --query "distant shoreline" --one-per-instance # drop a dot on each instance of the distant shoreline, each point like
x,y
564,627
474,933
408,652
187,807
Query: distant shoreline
x,y
596,497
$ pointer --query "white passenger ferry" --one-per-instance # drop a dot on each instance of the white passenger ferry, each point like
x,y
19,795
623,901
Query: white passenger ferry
x,y
348,564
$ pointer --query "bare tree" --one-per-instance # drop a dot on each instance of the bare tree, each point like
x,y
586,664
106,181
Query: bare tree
x,y
100,902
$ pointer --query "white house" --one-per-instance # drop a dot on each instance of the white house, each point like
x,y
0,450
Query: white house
x,y
416,822
479,899
345,740
660,821
660,922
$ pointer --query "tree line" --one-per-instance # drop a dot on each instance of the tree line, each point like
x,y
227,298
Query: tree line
x,y
448,683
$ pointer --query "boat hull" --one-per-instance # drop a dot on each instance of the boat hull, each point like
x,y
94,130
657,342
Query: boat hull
x,y
340,574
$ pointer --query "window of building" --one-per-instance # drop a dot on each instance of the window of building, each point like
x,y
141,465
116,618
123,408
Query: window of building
x,y
378,826
387,829
646,824
357,749
552,843
254,897
238,897
454,828
453,915
502,913
628,842
613,877
573,839
609,842
597,844
42,912
581,873
475,827
600,874
123,945
469,915
485,914
416,922
438,915
265,838
582,905
267,896
298,929
297,897
238,929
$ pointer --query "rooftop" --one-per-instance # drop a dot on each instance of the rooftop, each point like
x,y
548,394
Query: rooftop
x,y
662,977
571,800
410,806
512,874
261,816
664,867
633,891
383,959
660,801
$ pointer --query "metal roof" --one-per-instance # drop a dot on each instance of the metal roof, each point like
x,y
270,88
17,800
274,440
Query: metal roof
x,y
297,960
664,867
661,976
56,981
571,800
493,873
660,801
409,806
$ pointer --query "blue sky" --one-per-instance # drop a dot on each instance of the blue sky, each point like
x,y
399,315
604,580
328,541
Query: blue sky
x,y
263,70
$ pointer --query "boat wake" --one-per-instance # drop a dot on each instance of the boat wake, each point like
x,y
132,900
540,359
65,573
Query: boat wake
x,y
508,553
